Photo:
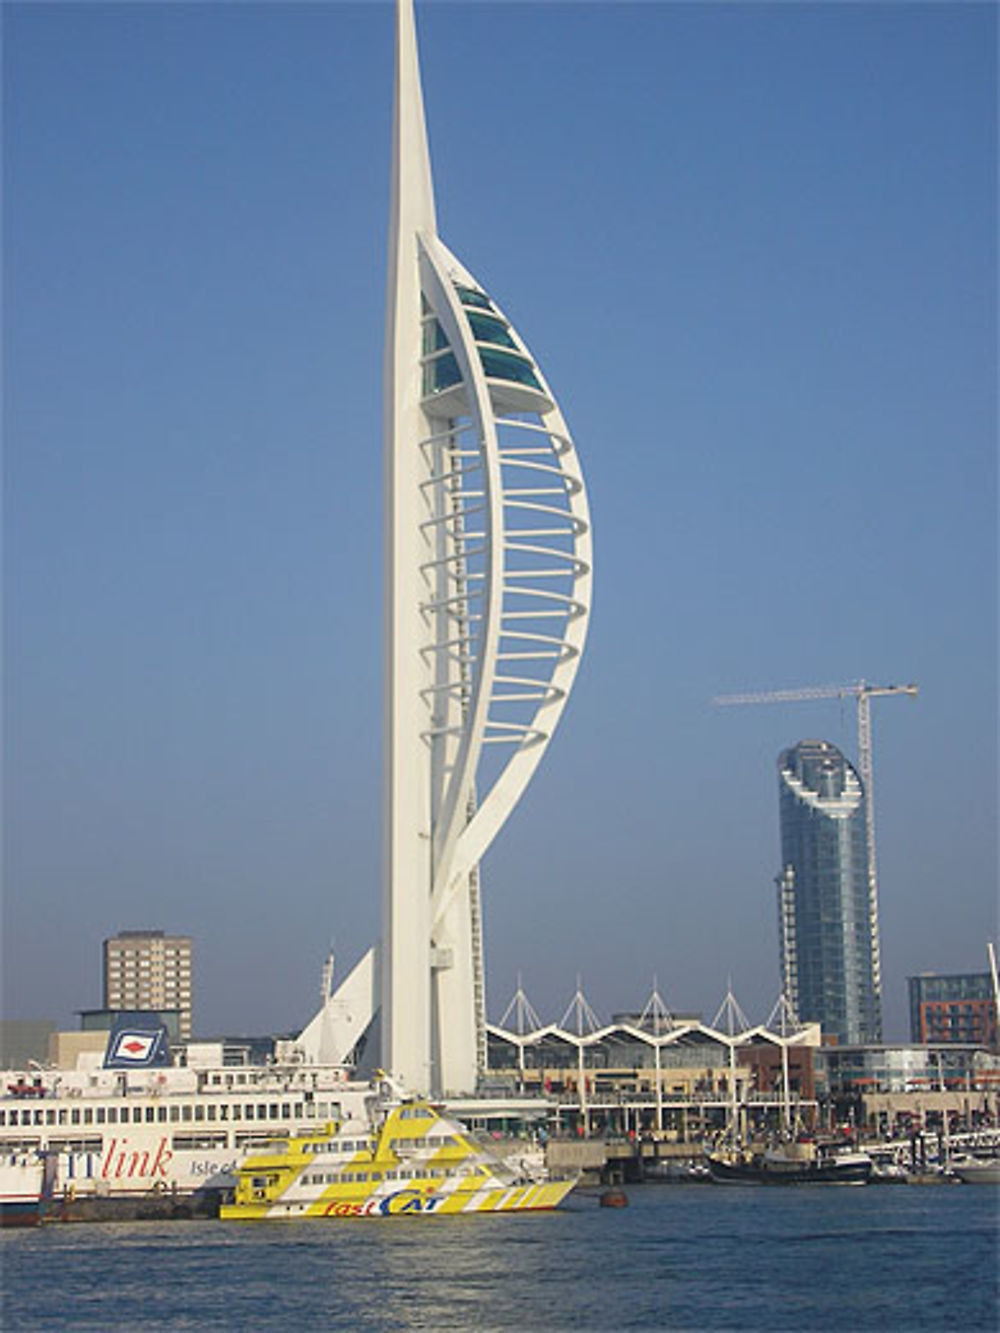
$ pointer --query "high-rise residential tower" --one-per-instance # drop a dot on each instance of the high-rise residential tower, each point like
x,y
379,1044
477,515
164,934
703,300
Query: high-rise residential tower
x,y
487,597
146,969
824,907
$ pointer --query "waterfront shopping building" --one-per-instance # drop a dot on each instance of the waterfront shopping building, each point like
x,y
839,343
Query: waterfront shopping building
x,y
687,1080
827,919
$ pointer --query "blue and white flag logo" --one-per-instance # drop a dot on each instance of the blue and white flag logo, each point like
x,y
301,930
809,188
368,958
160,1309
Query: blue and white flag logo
x,y
137,1048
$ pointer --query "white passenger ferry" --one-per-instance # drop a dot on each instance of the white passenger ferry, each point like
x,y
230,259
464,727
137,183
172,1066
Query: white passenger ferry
x,y
160,1141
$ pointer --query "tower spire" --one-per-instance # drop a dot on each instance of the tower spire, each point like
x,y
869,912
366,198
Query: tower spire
x,y
412,185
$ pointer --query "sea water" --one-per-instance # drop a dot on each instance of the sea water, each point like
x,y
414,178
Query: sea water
x,y
679,1257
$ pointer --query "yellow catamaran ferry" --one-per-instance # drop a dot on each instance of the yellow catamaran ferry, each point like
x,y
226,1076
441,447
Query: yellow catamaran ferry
x,y
405,1159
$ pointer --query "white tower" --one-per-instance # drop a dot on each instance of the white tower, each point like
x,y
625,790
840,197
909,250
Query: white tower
x,y
488,573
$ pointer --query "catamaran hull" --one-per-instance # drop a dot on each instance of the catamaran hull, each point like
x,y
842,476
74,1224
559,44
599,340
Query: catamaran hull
x,y
409,1202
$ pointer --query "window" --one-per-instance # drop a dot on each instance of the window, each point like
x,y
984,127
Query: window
x,y
470,297
489,329
205,1140
441,373
434,337
508,366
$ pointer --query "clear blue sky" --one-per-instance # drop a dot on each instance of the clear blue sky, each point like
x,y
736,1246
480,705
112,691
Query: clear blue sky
x,y
754,247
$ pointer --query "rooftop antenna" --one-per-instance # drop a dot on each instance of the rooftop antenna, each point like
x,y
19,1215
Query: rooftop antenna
x,y
731,1015
327,1042
579,1017
656,1016
784,1015
523,1013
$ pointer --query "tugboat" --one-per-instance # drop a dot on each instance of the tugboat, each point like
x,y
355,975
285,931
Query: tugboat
x,y
401,1159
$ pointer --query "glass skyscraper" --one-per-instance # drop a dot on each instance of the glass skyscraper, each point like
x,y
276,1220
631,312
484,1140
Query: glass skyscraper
x,y
826,926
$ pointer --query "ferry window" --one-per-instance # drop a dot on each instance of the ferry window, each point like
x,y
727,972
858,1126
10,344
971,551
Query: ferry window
x,y
3,1117
310,1111
112,1116
297,1109
13,1117
224,1111
199,1112
50,1117
175,1112
39,1117
361,1175
376,1175
261,1110
322,1110
286,1110
150,1114
99,1113
249,1111
136,1115
211,1113
274,1110
161,1114
237,1112
74,1116
185,1113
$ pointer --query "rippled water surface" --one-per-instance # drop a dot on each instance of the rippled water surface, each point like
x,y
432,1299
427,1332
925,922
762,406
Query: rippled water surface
x,y
678,1257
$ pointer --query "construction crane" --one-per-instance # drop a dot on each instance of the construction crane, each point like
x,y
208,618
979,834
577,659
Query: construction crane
x,y
864,693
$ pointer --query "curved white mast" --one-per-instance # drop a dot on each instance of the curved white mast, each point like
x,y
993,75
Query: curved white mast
x,y
487,566
405,953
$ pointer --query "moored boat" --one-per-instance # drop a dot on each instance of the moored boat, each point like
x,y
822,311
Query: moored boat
x,y
977,1170
791,1164
150,1143
399,1159
25,1185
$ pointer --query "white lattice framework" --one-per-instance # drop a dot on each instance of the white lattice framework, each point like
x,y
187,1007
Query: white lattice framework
x,y
488,592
